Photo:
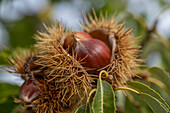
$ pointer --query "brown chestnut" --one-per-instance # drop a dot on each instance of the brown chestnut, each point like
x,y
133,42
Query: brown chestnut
x,y
82,35
28,92
69,41
93,53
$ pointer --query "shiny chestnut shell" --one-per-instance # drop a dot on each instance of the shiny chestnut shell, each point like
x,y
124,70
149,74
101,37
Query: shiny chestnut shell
x,y
93,53
70,41
28,92
82,35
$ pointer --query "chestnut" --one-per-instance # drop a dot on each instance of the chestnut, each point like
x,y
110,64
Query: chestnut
x,y
69,41
92,53
28,92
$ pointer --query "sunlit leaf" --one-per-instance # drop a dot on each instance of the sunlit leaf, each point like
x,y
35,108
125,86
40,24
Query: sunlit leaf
x,y
142,88
104,100
155,104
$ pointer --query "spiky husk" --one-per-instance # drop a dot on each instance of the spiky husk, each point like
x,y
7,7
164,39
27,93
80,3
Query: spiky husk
x,y
20,63
125,52
66,83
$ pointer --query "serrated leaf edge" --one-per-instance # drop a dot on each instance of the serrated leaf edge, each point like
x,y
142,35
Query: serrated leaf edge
x,y
151,90
161,104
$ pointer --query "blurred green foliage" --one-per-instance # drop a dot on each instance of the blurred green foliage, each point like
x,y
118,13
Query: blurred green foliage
x,y
7,95
5,53
22,31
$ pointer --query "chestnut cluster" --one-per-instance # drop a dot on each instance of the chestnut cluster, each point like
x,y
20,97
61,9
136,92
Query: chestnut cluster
x,y
66,65
92,53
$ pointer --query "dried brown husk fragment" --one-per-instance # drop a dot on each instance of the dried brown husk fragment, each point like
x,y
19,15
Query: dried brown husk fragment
x,y
20,64
122,43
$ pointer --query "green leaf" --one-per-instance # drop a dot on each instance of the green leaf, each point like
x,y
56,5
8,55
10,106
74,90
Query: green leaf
x,y
104,100
137,106
155,104
145,92
7,90
142,88
161,75
81,109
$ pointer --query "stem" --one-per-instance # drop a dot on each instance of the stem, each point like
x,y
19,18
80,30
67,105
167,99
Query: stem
x,y
101,72
126,88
